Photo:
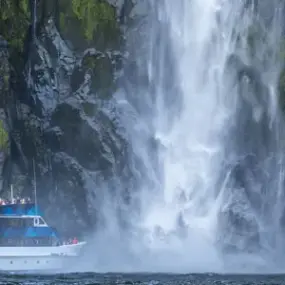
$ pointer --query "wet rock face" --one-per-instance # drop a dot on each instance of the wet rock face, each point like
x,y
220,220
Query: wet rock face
x,y
4,96
251,170
239,230
61,111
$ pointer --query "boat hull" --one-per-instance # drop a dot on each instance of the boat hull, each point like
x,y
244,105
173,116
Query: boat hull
x,y
30,259
36,263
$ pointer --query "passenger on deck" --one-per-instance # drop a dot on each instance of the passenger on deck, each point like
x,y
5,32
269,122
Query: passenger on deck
x,y
75,240
14,201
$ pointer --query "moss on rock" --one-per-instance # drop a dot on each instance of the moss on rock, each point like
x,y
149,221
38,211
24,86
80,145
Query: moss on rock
x,y
102,72
89,22
14,22
4,137
93,14
90,109
83,22
281,89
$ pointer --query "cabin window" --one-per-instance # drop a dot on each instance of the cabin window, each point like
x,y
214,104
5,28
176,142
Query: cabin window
x,y
16,222
41,221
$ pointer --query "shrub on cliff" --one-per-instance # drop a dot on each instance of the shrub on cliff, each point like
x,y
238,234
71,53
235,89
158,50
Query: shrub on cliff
x,y
3,138
89,23
14,22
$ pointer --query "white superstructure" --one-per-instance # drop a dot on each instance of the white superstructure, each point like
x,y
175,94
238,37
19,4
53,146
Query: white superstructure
x,y
27,243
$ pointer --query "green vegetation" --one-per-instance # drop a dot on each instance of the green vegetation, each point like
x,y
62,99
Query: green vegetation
x,y
281,89
281,82
14,22
4,137
101,70
89,109
282,50
89,22
89,61
83,22
93,14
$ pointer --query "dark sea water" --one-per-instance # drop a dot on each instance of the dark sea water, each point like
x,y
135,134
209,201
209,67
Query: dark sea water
x,y
142,279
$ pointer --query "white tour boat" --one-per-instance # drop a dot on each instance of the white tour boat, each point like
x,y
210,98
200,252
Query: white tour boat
x,y
27,243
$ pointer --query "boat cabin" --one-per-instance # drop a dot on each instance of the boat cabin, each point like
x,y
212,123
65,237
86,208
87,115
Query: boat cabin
x,y
22,225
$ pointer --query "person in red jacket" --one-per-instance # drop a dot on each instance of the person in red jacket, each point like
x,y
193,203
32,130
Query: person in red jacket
x,y
75,240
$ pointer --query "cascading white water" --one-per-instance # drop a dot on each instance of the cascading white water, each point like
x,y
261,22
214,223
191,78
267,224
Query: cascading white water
x,y
193,147
210,99
200,107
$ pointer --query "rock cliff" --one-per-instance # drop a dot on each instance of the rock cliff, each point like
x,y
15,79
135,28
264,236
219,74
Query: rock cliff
x,y
61,61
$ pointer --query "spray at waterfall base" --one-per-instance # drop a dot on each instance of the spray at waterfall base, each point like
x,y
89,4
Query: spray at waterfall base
x,y
210,102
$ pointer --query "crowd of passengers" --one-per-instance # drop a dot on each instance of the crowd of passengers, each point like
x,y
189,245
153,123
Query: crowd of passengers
x,y
70,241
17,200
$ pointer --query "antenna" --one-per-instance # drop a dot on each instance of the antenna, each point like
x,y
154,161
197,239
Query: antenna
x,y
12,196
35,187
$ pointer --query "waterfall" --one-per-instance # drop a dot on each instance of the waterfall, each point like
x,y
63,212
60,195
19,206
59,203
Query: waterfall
x,y
202,115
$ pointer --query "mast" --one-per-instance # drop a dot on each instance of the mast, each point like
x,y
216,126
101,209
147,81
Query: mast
x,y
35,187
12,194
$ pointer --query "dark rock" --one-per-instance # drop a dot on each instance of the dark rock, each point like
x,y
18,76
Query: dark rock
x,y
4,100
238,226
60,109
